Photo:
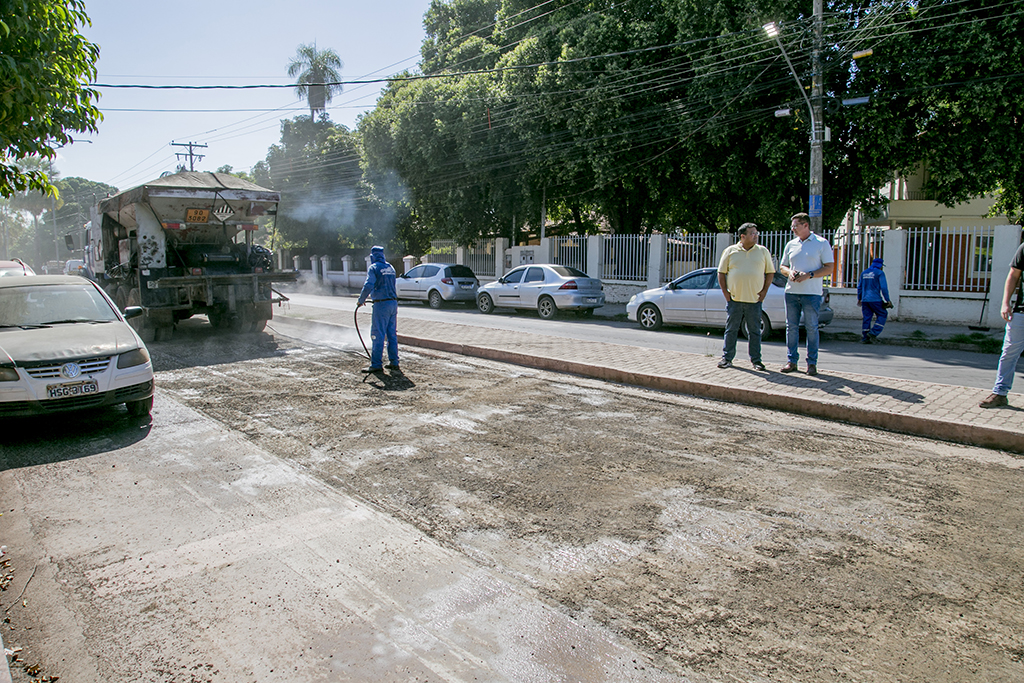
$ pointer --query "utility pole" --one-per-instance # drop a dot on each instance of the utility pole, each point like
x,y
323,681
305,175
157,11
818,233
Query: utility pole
x,y
192,156
816,109
817,181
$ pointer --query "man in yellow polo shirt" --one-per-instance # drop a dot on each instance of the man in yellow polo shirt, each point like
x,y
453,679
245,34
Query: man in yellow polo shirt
x,y
744,274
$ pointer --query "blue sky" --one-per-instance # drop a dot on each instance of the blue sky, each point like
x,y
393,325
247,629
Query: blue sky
x,y
225,42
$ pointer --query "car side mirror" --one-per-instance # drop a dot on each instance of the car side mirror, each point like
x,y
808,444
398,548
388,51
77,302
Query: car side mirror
x,y
671,285
133,312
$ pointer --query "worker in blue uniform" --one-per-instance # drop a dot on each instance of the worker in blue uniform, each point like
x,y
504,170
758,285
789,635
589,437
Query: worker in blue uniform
x,y
380,288
873,297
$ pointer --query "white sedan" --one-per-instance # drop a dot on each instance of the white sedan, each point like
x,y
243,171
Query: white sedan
x,y
696,299
548,288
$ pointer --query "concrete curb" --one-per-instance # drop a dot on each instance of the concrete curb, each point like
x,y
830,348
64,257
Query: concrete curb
x,y
985,436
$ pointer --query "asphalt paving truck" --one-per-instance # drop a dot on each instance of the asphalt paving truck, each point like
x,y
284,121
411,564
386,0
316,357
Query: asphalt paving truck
x,y
183,244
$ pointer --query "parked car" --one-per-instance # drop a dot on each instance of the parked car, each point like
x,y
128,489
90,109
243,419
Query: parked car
x,y
15,267
696,299
65,346
74,267
545,287
437,283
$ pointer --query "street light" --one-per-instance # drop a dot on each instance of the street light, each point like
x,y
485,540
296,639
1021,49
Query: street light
x,y
817,170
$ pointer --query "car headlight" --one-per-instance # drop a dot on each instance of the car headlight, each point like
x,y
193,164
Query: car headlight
x,y
132,358
8,375
632,298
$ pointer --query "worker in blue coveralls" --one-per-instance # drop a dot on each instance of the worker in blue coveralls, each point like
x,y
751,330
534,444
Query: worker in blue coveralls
x,y
380,288
873,297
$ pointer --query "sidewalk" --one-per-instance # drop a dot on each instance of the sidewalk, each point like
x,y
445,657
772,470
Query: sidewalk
x,y
937,411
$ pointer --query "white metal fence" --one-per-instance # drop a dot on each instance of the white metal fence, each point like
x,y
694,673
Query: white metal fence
x,y
570,251
441,251
948,259
854,250
935,259
625,257
480,258
686,252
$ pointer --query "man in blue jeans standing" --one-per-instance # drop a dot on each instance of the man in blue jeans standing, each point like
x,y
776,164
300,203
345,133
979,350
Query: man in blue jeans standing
x,y
805,261
380,287
1013,340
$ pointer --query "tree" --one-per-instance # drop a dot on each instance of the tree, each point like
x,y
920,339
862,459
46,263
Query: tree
x,y
318,73
77,197
316,169
44,67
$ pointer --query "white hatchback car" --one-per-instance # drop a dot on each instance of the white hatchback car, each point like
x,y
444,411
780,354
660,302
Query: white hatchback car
x,y
546,288
65,346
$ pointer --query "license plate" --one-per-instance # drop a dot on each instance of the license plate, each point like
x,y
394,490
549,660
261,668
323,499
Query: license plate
x,y
591,299
465,286
71,389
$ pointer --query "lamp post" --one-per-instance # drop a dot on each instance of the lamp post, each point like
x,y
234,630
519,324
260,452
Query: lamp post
x,y
814,106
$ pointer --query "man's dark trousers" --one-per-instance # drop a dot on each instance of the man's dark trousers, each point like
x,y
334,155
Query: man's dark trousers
x,y
737,313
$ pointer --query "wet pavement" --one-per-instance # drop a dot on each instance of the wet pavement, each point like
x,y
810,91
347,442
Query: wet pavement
x,y
929,409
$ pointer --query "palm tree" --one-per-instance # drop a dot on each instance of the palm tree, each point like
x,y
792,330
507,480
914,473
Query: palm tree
x,y
314,68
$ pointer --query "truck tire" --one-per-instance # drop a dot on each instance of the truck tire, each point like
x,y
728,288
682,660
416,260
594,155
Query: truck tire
x,y
218,318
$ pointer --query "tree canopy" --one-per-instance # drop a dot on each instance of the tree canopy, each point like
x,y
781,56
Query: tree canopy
x,y
45,66
659,115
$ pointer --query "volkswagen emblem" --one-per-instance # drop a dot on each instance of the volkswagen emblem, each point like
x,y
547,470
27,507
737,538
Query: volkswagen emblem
x,y
70,370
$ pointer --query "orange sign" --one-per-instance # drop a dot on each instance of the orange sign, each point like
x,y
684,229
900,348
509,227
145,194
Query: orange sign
x,y
197,215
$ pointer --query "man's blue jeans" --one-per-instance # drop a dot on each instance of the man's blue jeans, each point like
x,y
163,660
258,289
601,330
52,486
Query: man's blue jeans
x,y
807,305
1013,344
737,312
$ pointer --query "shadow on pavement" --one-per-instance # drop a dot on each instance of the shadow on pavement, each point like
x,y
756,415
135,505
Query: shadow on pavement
x,y
30,441
840,386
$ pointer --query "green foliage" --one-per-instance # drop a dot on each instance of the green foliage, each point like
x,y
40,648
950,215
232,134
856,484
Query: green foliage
x,y
77,197
323,202
314,69
45,65
637,117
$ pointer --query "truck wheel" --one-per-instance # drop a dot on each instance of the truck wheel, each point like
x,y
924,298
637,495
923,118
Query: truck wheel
x,y
141,323
259,325
217,318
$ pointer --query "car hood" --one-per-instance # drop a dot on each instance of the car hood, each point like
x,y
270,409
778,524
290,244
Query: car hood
x,y
66,342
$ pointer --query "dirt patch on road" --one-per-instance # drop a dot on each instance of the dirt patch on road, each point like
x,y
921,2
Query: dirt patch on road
x,y
730,542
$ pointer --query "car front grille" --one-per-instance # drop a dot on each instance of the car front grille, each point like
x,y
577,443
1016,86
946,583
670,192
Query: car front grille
x,y
89,366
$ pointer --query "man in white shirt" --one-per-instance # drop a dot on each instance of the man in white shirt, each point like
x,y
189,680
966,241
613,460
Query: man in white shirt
x,y
805,261
744,274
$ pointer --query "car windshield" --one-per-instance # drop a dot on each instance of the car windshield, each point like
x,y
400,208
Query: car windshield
x,y
568,271
53,304
460,271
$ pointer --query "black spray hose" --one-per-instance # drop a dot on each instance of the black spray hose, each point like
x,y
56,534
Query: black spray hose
x,y
355,317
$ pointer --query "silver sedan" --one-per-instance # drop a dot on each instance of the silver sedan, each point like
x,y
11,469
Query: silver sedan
x,y
545,287
697,299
